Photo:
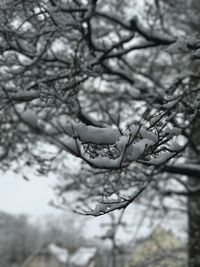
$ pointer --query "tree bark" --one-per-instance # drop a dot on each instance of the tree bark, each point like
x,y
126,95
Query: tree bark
x,y
194,206
194,226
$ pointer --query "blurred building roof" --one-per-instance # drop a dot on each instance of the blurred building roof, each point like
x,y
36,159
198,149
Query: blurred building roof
x,y
160,249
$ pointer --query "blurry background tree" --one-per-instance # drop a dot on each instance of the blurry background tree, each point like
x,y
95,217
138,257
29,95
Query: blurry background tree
x,y
94,79
64,231
20,238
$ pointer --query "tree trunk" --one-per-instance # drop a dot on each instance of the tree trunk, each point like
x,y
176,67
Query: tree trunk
x,y
194,200
194,205
194,226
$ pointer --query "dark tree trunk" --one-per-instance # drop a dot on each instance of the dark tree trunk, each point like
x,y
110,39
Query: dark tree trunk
x,y
194,226
194,203
194,200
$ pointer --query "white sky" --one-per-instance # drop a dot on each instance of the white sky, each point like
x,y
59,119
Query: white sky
x,y
29,197
18,196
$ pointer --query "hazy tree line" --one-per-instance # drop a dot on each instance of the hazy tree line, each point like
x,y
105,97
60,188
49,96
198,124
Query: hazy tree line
x,y
20,238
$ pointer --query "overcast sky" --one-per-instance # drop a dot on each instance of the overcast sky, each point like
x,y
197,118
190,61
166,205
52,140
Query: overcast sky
x,y
18,196
30,197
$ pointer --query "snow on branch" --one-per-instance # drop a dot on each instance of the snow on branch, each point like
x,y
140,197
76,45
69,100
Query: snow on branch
x,y
110,204
108,148
186,44
154,36
91,134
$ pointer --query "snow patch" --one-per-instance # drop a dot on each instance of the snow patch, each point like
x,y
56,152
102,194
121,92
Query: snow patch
x,y
83,256
30,118
91,134
60,253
